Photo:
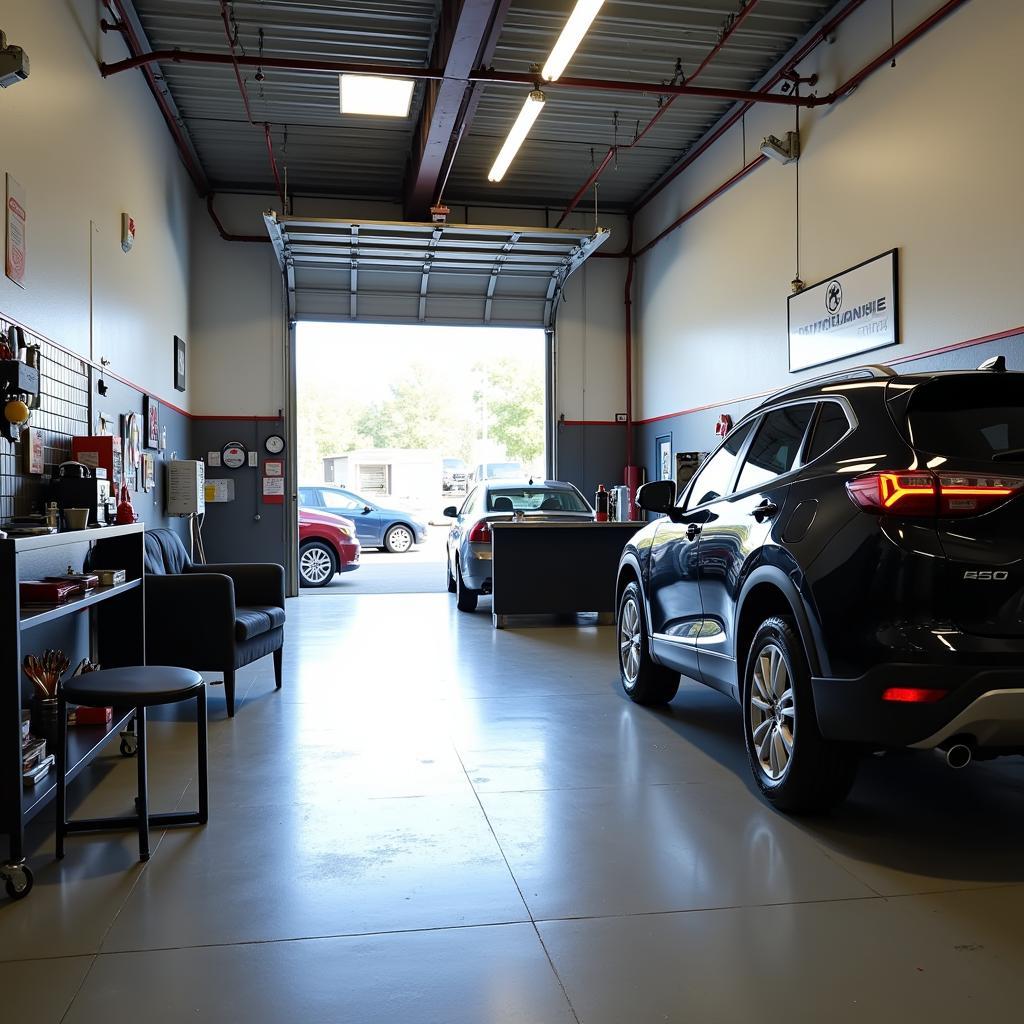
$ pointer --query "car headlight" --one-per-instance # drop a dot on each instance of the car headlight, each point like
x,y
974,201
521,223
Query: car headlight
x,y
349,531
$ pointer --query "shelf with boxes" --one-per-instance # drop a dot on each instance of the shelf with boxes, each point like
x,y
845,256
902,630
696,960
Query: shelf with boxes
x,y
116,621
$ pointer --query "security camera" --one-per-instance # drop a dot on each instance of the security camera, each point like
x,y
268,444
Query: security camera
x,y
13,63
785,151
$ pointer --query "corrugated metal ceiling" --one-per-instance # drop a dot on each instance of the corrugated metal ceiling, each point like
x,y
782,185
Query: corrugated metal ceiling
x,y
330,154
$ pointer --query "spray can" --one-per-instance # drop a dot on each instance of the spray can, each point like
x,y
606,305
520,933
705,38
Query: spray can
x,y
601,505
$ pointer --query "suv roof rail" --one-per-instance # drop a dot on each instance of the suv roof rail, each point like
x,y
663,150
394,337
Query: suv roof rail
x,y
872,370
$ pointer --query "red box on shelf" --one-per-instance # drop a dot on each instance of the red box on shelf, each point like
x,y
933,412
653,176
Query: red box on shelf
x,y
102,450
93,716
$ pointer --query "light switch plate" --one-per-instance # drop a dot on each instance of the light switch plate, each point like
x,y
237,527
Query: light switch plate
x,y
254,458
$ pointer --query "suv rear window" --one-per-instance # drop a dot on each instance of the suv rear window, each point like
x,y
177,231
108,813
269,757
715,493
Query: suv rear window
x,y
970,417
534,499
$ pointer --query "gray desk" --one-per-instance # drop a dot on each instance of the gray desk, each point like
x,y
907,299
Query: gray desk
x,y
556,568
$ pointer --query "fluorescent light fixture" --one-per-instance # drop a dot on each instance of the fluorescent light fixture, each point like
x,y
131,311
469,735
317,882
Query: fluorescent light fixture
x,y
378,97
572,35
524,122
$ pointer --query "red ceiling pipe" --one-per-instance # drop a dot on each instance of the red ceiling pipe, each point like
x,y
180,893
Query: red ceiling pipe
x,y
268,138
613,150
195,172
823,32
481,75
901,44
848,86
224,233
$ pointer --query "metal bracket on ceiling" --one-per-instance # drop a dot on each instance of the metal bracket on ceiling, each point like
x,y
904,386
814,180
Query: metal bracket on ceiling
x,y
428,259
493,280
353,281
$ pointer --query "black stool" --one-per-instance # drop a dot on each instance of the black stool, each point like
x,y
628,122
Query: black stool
x,y
140,687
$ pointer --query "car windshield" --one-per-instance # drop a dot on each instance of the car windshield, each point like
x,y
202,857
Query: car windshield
x,y
503,469
981,417
534,499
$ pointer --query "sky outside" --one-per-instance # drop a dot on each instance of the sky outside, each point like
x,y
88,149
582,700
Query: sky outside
x,y
365,359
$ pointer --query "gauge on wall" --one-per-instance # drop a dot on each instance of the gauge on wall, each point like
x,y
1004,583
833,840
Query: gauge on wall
x,y
274,444
234,454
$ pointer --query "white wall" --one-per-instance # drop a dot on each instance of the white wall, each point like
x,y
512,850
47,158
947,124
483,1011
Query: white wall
x,y
85,150
237,326
925,157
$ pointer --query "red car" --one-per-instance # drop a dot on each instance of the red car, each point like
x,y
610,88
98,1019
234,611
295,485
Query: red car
x,y
327,545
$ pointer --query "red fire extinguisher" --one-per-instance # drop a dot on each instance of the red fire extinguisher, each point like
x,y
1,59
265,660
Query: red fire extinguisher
x,y
125,509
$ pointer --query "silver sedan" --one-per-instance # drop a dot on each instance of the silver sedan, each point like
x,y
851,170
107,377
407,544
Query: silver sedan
x,y
469,540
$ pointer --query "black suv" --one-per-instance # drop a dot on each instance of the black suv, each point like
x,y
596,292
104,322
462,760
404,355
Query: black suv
x,y
849,566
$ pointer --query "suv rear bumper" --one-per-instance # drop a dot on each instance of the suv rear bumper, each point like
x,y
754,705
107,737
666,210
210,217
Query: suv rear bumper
x,y
984,703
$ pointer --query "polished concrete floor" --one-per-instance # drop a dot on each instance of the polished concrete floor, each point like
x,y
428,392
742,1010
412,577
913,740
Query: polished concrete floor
x,y
438,822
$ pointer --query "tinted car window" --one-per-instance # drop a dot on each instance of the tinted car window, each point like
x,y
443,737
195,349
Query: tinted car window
x,y
334,499
468,503
971,418
774,449
534,499
307,496
713,480
832,424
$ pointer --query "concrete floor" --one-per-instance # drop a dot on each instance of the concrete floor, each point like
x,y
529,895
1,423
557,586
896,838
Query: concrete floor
x,y
437,822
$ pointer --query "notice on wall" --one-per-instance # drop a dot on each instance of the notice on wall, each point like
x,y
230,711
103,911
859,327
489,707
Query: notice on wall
x,y
14,263
855,311
273,490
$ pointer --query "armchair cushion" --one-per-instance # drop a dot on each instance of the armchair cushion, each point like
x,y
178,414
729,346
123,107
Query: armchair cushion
x,y
165,554
252,620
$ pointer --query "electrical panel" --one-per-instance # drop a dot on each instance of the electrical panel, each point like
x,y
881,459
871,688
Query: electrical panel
x,y
185,492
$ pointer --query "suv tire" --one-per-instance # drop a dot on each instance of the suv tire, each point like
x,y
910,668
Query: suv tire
x,y
795,768
644,681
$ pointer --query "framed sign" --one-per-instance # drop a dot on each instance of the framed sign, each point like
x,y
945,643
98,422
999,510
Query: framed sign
x,y
663,453
855,311
179,364
16,244
151,414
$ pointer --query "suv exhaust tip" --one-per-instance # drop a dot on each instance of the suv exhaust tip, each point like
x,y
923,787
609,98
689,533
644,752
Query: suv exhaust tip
x,y
959,755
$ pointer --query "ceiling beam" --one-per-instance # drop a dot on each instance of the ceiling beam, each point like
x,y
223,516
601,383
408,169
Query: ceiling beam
x,y
466,37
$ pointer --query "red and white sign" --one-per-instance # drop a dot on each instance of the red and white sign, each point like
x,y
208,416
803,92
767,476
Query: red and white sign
x,y
273,490
724,425
14,264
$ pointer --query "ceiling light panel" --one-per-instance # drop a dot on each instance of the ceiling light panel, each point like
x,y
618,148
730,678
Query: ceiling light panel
x,y
376,97
572,35
524,122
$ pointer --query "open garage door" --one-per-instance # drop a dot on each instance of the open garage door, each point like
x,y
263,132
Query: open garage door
x,y
426,273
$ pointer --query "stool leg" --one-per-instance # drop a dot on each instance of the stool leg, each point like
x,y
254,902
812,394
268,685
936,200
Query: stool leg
x,y
143,808
62,771
203,781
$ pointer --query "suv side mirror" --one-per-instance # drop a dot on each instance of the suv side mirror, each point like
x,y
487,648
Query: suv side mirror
x,y
658,496
451,512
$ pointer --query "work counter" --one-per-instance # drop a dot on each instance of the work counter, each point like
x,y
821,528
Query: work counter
x,y
556,568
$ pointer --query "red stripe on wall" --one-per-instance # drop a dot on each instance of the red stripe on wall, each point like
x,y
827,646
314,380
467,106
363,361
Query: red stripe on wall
x,y
971,343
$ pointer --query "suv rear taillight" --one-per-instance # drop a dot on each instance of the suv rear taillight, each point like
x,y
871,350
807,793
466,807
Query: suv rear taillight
x,y
480,534
931,494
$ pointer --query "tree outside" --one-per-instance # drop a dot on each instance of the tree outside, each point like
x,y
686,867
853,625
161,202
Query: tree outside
x,y
473,393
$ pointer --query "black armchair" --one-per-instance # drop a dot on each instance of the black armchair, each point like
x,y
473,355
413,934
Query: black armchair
x,y
213,618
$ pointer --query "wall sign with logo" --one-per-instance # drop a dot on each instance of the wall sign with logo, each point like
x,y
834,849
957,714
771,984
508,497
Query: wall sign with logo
x,y
855,311
16,234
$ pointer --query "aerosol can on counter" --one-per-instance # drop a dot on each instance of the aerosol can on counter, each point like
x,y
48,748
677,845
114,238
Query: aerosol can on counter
x,y
601,505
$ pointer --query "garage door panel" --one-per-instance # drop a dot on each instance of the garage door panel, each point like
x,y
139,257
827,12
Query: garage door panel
x,y
417,272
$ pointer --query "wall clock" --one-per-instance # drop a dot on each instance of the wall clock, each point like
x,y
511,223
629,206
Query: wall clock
x,y
274,444
234,454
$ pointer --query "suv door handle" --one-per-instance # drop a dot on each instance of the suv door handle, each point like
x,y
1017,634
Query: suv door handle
x,y
692,530
766,510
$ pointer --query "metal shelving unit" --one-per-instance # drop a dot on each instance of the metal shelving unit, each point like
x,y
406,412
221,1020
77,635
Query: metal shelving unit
x,y
116,638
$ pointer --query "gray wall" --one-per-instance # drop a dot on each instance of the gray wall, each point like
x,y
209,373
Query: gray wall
x,y
695,431
590,454
246,529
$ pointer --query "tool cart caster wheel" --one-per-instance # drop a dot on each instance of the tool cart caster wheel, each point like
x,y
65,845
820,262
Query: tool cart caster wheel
x,y
129,746
17,880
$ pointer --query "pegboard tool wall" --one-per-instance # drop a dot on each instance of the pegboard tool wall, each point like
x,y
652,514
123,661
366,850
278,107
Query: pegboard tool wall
x,y
63,412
